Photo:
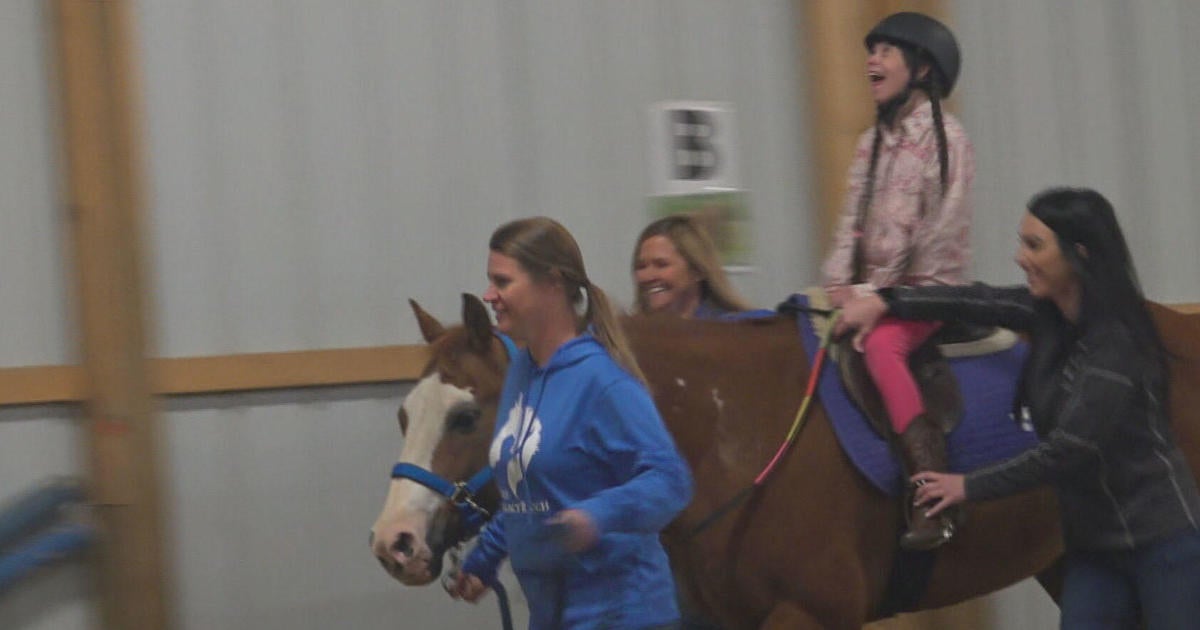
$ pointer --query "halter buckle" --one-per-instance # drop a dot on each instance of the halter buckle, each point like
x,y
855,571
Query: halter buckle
x,y
463,496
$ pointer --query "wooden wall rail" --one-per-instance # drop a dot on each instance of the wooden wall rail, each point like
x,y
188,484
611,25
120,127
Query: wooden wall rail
x,y
244,372
229,373
41,384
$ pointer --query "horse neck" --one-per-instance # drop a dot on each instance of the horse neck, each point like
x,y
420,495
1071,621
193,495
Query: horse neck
x,y
722,387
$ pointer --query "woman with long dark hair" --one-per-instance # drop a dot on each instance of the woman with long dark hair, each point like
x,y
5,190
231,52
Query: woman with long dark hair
x,y
1095,389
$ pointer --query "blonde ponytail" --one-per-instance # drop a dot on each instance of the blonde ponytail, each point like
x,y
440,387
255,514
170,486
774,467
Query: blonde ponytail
x,y
607,330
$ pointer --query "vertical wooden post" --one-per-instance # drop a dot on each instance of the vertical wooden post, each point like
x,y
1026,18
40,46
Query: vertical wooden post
x,y
834,60
103,187
833,57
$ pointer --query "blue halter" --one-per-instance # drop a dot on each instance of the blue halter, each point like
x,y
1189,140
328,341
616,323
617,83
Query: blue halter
x,y
460,494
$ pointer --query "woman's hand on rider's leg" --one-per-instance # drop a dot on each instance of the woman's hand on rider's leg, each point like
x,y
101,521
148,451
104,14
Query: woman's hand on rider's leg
x,y
941,489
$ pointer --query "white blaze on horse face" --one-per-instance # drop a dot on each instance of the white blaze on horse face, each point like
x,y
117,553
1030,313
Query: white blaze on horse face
x,y
410,507
426,407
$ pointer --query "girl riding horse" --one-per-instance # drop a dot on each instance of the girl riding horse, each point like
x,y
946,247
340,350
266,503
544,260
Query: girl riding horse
x,y
906,221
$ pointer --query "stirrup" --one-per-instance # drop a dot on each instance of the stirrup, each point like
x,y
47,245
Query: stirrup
x,y
909,541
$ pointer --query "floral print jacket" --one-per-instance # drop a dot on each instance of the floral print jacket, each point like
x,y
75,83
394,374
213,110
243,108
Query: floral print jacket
x,y
914,232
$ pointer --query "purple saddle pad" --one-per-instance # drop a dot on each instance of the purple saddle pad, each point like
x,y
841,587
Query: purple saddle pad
x,y
987,433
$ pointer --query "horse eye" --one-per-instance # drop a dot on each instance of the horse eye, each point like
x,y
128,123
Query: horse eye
x,y
463,420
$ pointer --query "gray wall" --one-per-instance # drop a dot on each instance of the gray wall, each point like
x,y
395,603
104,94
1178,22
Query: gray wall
x,y
40,442
1095,93
313,164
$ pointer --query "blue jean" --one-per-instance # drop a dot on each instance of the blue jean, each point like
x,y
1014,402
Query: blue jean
x,y
1157,583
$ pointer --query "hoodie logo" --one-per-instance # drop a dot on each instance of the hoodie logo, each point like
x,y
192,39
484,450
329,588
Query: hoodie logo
x,y
519,438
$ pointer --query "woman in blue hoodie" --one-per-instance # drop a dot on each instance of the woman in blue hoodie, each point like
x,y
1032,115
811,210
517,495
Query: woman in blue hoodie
x,y
588,474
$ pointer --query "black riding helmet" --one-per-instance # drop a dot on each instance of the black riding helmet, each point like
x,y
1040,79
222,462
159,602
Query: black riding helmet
x,y
925,34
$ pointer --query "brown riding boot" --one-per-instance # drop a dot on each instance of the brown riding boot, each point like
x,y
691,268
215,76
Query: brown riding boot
x,y
923,447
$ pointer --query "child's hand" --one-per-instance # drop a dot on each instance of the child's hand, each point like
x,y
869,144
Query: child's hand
x,y
838,296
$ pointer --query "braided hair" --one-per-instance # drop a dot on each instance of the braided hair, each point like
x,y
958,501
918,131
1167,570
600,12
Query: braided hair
x,y
932,84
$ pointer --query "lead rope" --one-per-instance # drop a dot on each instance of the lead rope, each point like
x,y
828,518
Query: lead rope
x,y
502,600
455,554
506,623
798,424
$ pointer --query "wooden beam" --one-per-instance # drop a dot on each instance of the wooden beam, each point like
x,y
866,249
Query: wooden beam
x,y
832,59
247,372
103,186
289,369
41,384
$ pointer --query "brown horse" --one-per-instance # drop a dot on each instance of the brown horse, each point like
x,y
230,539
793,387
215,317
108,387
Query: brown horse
x,y
810,549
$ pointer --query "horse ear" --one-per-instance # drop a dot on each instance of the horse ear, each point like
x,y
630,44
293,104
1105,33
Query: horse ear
x,y
477,323
430,328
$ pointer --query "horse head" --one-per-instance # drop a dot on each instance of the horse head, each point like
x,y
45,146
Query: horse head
x,y
447,421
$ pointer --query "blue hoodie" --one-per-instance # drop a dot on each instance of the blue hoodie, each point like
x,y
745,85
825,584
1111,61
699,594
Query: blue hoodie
x,y
589,438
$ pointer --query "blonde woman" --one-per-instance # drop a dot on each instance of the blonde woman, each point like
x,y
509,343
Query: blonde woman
x,y
587,473
676,269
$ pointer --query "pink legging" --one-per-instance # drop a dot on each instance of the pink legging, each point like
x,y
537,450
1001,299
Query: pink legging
x,y
886,351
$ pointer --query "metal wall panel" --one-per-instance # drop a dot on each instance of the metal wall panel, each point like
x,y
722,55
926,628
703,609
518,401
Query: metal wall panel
x,y
274,497
1091,93
313,164
33,303
37,443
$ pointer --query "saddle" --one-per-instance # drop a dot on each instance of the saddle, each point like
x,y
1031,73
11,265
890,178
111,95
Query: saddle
x,y
930,368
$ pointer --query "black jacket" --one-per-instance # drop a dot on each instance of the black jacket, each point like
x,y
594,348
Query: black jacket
x,y
1105,440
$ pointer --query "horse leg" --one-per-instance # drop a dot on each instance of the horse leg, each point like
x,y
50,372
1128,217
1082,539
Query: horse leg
x,y
1051,579
790,616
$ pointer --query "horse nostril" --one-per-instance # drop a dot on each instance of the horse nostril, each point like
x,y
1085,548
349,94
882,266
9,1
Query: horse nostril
x,y
403,544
